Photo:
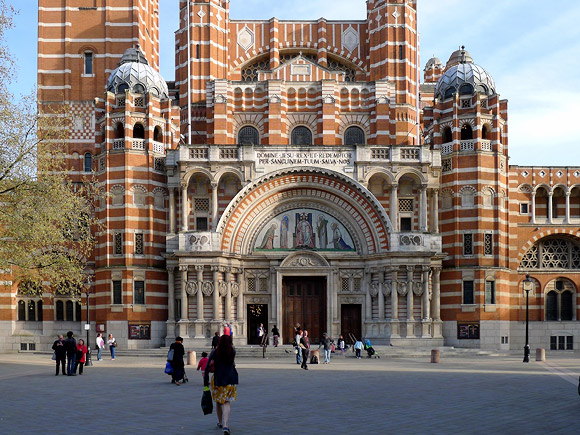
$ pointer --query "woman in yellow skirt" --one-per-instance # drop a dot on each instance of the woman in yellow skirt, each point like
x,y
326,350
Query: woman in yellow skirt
x,y
224,380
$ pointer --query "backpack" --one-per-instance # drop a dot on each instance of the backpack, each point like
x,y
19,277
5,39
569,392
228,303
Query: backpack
x,y
314,360
294,343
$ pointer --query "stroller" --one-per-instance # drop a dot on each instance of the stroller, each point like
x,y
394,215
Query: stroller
x,y
370,351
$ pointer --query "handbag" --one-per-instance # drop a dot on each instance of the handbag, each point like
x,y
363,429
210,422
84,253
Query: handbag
x,y
168,368
211,366
170,355
54,356
206,401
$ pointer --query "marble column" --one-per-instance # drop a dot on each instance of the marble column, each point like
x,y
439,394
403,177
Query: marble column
x,y
381,296
423,210
228,308
534,207
171,210
368,298
567,221
214,204
395,328
199,270
435,221
550,202
426,307
184,209
216,293
410,316
184,321
170,294
436,304
241,312
394,208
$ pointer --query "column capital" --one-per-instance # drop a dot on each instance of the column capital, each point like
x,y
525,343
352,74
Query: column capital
x,y
199,268
170,268
394,186
183,185
424,186
215,268
425,269
214,184
436,269
409,268
568,193
183,268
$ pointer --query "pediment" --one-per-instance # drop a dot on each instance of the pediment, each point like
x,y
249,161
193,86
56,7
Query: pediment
x,y
305,259
301,69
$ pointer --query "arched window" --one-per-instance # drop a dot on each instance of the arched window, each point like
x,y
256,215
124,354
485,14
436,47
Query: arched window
x,y
138,89
69,317
354,136
466,132
32,311
78,311
59,311
122,88
449,93
301,136
447,135
158,134
88,162
485,132
566,306
120,131
467,198
466,89
21,310
138,131
248,135
552,306
88,55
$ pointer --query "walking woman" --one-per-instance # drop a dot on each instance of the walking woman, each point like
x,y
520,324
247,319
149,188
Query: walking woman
x,y
177,362
224,381
112,345
100,345
305,346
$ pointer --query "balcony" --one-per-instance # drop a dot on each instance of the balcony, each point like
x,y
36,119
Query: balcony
x,y
138,144
199,241
118,144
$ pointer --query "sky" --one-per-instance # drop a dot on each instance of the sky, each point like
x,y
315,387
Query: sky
x,y
530,47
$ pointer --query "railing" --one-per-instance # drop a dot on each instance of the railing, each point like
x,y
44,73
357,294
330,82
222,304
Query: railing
x,y
198,153
447,148
467,145
158,148
381,154
118,144
486,145
138,144
410,153
229,153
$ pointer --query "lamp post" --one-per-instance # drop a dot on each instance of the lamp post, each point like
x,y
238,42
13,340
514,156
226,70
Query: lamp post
x,y
527,285
88,324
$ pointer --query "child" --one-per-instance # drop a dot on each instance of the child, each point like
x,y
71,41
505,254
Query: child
x,y
202,363
358,346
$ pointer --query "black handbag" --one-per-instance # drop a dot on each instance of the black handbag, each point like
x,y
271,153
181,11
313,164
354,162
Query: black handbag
x,y
206,401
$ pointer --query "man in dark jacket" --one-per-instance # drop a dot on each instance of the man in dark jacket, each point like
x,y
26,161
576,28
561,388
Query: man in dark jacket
x,y
215,340
60,353
70,346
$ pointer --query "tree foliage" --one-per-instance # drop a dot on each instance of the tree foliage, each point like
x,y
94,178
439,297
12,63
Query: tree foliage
x,y
45,217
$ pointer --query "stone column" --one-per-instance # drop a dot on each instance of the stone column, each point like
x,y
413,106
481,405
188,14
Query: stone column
x,y
184,321
550,199
241,312
394,304
435,222
368,298
410,293
534,207
170,294
228,310
423,210
171,210
436,304
394,208
426,307
381,296
199,270
214,204
216,292
567,221
184,208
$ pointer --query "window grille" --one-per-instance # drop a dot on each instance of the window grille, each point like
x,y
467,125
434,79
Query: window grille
x,y
555,254
301,136
251,284
345,284
198,153
139,102
405,205
139,249
380,154
201,204
121,101
263,284
354,136
466,104
117,292
468,244
159,164
447,165
250,73
139,293
102,164
409,153
488,244
248,135
357,284
228,153
118,242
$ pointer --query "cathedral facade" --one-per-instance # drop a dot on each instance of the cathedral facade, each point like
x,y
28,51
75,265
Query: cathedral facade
x,y
298,172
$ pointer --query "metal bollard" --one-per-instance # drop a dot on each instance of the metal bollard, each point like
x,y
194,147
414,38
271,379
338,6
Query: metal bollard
x,y
191,358
540,354
435,356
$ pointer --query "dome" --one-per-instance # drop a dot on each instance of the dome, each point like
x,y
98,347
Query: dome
x,y
464,77
135,74
459,56
434,62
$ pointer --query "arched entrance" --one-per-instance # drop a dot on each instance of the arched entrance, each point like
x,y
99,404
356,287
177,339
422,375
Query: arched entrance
x,y
304,304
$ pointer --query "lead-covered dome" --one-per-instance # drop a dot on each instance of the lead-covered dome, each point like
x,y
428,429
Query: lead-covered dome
x,y
135,74
464,77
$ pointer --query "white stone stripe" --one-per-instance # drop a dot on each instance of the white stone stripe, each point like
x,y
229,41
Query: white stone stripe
x,y
98,9
96,40
47,71
55,87
67,24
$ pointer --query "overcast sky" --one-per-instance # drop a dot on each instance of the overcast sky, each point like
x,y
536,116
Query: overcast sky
x,y
530,47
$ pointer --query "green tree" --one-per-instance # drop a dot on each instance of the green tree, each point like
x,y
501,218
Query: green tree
x,y
45,218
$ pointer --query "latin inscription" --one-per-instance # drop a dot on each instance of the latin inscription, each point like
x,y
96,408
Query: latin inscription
x,y
319,158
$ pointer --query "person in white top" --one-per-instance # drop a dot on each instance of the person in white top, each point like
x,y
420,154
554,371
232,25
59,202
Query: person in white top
x,y
112,345
100,345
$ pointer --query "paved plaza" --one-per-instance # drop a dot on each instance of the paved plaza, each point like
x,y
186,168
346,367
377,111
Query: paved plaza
x,y
491,394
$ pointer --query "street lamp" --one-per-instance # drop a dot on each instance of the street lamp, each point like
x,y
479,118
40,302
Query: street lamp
x,y
527,285
88,324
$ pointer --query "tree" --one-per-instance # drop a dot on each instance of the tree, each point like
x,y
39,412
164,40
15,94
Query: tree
x,y
45,217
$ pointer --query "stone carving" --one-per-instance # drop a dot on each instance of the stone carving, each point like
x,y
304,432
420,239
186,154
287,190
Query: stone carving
x,y
387,288
411,240
374,289
223,288
352,300
274,99
245,38
191,288
305,262
258,300
418,288
402,288
328,99
235,289
207,288
350,39
382,99
220,99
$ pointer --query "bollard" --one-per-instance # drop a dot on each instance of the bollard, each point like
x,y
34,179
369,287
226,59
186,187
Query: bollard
x,y
540,354
435,356
191,358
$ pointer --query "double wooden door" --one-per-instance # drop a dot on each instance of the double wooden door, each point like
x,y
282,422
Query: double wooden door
x,y
304,303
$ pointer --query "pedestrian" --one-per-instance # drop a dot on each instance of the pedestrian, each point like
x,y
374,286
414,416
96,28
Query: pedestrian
x,y
327,344
100,345
215,340
297,346
70,345
276,335
261,332
60,354
227,329
305,347
112,345
358,346
341,344
224,380
177,362
202,364
81,357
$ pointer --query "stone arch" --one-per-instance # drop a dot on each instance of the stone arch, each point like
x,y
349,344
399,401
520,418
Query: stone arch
x,y
379,171
196,170
411,172
307,184
571,234
525,188
311,259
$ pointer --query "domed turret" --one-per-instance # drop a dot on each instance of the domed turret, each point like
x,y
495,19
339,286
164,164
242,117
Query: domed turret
x,y
135,74
464,77
433,70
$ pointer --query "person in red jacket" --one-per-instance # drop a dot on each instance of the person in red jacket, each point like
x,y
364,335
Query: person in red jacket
x,y
81,356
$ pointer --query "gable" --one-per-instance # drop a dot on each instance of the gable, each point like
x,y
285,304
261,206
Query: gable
x,y
301,69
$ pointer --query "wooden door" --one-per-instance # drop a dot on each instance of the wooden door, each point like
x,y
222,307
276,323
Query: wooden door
x,y
351,321
304,302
